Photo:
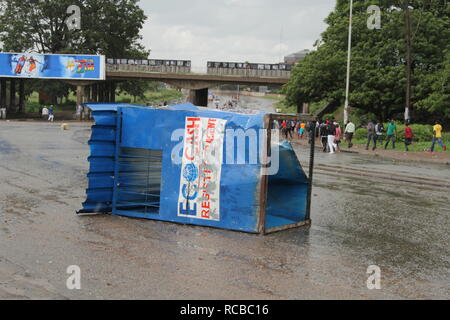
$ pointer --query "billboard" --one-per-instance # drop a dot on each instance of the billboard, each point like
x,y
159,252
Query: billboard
x,y
52,66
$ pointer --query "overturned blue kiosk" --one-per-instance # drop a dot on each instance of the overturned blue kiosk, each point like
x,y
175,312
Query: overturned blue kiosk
x,y
197,166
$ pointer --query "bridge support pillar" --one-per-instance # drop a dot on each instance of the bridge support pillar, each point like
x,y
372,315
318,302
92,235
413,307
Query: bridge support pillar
x,y
199,97
87,93
21,96
306,108
94,93
303,108
101,92
80,95
12,95
107,91
104,91
112,91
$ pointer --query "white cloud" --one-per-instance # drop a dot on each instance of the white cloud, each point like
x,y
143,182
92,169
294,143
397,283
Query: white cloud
x,y
232,30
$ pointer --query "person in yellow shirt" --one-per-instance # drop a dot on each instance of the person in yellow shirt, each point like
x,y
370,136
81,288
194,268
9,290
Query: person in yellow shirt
x,y
302,130
437,137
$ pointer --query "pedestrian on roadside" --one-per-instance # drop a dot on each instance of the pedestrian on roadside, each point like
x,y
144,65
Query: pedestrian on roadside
x,y
409,135
302,130
44,113
349,131
297,129
284,129
289,129
40,111
311,131
324,135
391,134
293,125
379,130
437,137
371,136
337,138
331,128
51,115
2,112
317,133
276,125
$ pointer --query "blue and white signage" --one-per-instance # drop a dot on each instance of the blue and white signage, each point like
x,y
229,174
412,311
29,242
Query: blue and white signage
x,y
201,170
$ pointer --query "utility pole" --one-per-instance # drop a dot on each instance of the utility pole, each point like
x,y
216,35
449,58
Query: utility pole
x,y
347,89
408,37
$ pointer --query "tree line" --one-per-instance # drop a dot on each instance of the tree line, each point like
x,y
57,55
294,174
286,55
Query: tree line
x,y
378,72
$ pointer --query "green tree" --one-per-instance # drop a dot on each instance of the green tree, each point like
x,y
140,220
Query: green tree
x,y
378,77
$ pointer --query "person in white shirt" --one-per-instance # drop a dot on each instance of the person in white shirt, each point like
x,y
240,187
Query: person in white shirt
x,y
2,113
349,132
45,113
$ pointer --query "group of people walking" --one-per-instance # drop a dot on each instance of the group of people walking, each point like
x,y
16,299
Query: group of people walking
x,y
375,133
289,128
330,134
47,113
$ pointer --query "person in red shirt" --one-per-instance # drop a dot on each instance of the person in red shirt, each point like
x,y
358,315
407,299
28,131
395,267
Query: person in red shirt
x,y
409,135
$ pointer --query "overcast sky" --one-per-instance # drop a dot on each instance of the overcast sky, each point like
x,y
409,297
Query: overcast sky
x,y
232,30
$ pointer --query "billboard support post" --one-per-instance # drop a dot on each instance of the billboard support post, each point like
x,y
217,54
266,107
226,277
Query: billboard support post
x,y
3,93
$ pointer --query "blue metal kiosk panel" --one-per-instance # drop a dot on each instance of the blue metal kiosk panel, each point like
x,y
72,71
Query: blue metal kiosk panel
x,y
239,185
101,160
287,191
136,170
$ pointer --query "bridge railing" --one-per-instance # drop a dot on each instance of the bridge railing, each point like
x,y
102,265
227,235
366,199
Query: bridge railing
x,y
251,73
249,70
138,65
245,69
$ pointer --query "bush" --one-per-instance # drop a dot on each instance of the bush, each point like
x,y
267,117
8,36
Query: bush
x,y
360,134
125,100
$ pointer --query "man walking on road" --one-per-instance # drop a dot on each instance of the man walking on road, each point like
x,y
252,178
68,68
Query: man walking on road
x,y
349,132
323,132
51,115
379,130
409,135
371,136
391,134
437,137
44,113
331,128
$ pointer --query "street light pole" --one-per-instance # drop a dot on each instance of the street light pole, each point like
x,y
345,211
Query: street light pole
x,y
347,90
408,61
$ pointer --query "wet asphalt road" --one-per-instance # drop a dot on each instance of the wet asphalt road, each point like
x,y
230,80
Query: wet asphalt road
x,y
375,213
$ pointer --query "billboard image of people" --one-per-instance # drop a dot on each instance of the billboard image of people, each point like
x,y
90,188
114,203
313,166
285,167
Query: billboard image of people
x,y
52,66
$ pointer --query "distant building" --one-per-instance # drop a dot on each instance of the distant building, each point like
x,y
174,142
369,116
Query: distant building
x,y
296,57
